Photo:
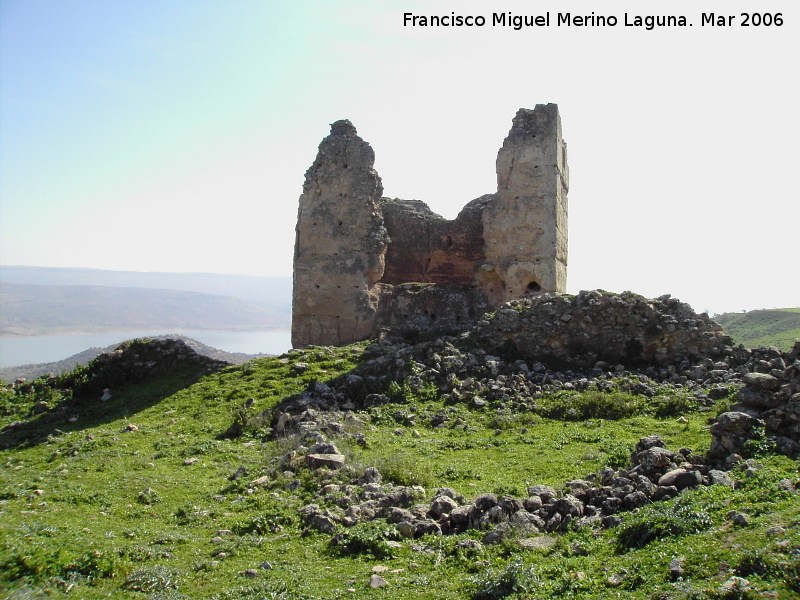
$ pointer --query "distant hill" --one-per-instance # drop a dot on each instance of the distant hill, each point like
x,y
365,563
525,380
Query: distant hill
x,y
38,300
270,293
29,372
774,327
275,292
39,309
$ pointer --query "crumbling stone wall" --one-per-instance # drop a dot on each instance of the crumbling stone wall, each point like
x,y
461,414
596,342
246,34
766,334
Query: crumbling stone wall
x,y
427,248
363,262
525,227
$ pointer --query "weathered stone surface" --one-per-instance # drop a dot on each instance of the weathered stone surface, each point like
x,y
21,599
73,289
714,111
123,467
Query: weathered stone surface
x,y
544,492
731,431
654,458
578,331
331,461
680,478
340,244
676,570
376,582
763,381
427,248
525,228
443,505
415,310
717,477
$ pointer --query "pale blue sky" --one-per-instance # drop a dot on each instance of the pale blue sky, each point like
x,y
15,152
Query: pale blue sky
x,y
174,135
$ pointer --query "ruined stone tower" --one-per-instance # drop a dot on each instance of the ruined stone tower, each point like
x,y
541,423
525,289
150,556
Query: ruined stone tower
x,y
363,262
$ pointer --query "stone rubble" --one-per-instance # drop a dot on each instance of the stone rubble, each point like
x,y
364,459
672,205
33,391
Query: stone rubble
x,y
135,361
684,353
656,473
680,351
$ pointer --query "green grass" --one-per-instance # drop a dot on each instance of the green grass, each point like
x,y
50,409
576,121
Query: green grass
x,y
778,327
89,509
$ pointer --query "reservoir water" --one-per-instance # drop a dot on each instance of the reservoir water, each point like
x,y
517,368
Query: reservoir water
x,y
23,350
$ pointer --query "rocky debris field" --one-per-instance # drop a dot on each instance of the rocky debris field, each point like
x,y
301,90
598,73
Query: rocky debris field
x,y
767,380
471,467
681,363
656,474
568,331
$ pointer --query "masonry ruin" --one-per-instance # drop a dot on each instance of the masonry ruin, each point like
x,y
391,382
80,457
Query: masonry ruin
x,y
363,262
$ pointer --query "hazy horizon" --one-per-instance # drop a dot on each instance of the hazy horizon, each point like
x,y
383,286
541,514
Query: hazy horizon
x,y
284,279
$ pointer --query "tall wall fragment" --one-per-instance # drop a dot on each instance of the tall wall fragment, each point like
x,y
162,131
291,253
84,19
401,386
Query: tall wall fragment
x,y
363,262
340,243
525,228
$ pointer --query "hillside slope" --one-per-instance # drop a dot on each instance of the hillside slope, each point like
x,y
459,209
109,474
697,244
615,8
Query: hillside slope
x,y
775,327
450,474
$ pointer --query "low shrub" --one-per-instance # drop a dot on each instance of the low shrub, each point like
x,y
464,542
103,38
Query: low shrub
x,y
593,404
148,496
151,580
267,591
94,564
403,469
272,517
673,405
514,578
366,538
659,521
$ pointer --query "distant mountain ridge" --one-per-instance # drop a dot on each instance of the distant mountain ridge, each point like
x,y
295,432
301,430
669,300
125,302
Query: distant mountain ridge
x,y
268,292
40,309
778,327
38,300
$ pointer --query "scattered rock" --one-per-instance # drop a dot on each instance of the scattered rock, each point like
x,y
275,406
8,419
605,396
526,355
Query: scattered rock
x,y
731,431
735,585
738,518
542,542
41,407
681,479
376,581
330,461
762,381
717,477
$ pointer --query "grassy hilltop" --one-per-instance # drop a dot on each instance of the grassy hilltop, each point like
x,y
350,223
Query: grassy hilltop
x,y
776,327
175,488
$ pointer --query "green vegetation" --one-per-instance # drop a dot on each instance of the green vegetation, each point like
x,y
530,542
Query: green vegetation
x,y
778,327
153,495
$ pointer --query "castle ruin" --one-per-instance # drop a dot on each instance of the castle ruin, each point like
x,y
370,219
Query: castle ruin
x,y
363,262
